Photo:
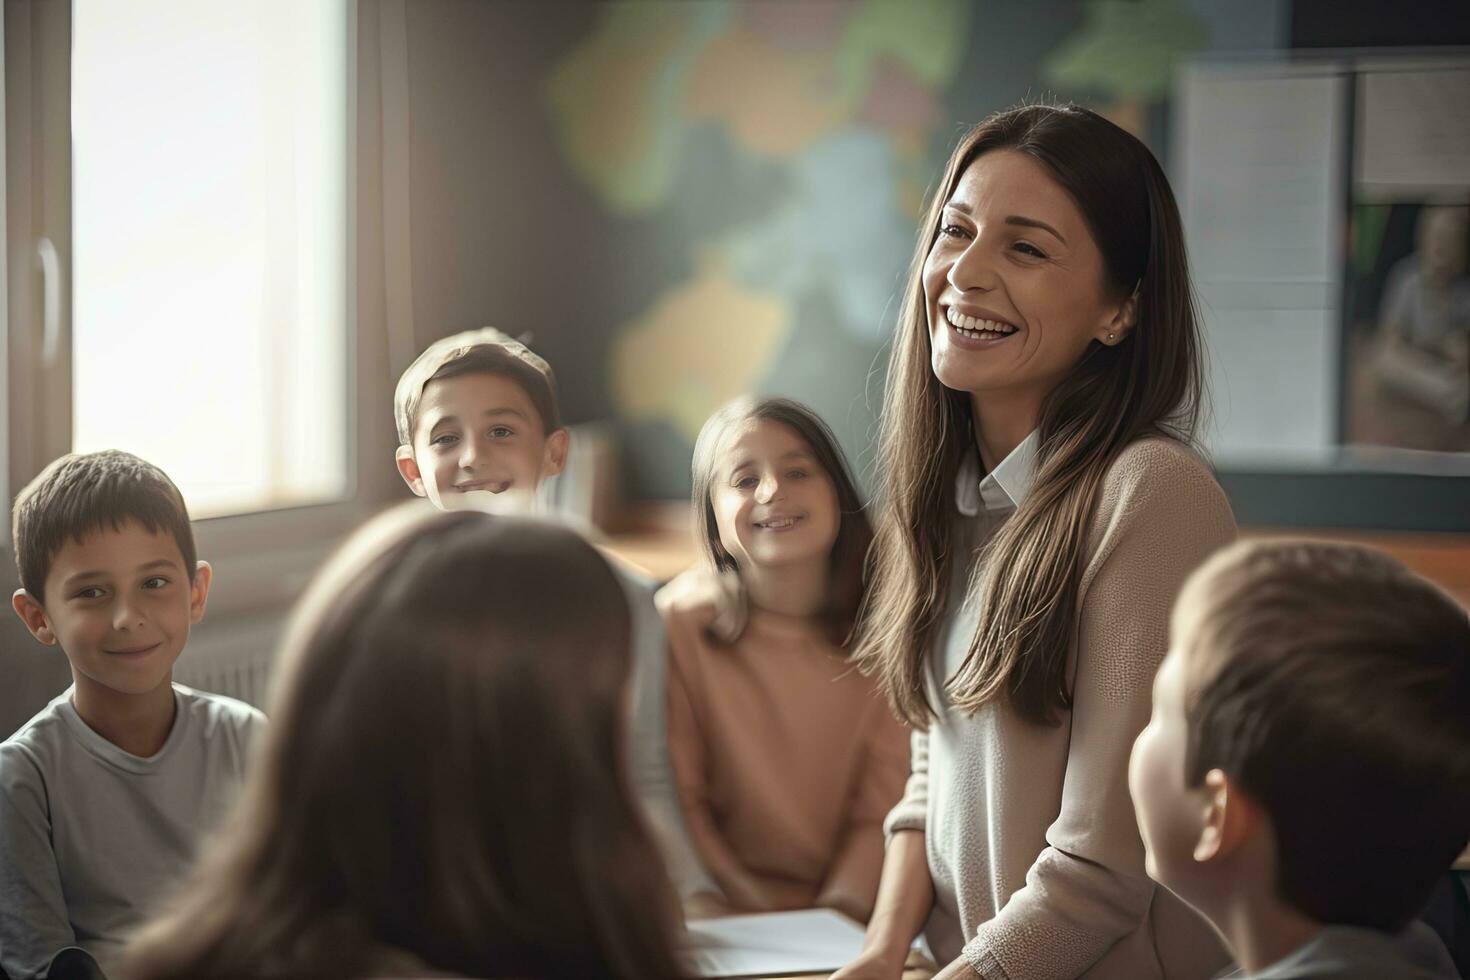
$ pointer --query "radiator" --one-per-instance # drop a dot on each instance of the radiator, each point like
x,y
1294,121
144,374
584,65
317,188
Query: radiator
x,y
233,658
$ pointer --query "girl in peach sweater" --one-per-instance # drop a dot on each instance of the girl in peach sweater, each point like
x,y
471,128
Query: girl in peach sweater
x,y
786,759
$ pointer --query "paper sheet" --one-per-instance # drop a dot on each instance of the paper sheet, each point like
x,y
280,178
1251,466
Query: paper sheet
x,y
772,944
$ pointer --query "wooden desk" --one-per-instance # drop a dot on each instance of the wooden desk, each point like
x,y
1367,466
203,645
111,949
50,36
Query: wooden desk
x,y
661,554
657,536
1444,559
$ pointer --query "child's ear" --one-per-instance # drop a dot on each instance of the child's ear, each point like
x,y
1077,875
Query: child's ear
x,y
199,591
554,458
31,613
408,468
1230,818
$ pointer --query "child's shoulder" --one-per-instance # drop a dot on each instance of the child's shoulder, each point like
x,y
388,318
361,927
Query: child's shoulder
x,y
1341,952
699,604
217,715
32,750
636,581
638,587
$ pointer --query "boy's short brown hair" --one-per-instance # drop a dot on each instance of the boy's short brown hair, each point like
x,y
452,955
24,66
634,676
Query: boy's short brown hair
x,y
81,493
1334,686
487,351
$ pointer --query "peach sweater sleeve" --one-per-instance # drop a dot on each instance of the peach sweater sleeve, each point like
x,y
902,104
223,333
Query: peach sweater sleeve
x,y
689,761
852,882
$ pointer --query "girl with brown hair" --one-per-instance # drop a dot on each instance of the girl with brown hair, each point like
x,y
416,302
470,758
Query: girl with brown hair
x,y
1040,508
444,788
785,757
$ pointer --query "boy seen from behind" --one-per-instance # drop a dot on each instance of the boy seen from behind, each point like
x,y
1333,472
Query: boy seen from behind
x,y
105,793
1304,780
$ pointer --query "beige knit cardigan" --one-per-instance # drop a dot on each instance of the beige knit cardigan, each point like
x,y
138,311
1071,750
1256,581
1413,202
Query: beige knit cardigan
x,y
1032,844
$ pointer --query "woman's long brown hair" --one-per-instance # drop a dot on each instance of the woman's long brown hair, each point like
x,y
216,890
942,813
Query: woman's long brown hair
x,y
1149,383
445,775
854,532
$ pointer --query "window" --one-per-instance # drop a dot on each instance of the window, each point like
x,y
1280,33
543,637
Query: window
x,y
192,190
208,318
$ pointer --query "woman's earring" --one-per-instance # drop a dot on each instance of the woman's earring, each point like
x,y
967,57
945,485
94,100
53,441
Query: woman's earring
x,y
1111,336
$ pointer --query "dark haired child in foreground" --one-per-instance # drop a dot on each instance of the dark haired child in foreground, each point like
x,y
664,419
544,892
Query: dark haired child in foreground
x,y
477,412
444,787
1305,778
787,759
105,793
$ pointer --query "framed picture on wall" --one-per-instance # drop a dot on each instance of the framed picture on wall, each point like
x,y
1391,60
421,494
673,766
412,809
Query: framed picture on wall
x,y
1407,364
1327,204
1406,313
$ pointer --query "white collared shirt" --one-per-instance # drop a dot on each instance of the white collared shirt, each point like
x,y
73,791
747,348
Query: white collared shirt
x,y
1003,488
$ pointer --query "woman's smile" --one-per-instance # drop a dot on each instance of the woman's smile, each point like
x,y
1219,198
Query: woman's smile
x,y
976,329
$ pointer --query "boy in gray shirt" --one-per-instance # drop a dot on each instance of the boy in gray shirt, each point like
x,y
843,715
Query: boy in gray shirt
x,y
1304,780
104,795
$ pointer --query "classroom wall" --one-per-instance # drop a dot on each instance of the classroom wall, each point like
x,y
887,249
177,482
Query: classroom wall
x,y
683,201
30,674
686,201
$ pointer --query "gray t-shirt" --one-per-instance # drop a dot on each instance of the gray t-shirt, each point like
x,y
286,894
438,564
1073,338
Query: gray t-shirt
x,y
1352,953
91,837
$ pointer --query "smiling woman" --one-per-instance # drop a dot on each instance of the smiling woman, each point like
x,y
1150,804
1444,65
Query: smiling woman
x,y
1041,506
1029,285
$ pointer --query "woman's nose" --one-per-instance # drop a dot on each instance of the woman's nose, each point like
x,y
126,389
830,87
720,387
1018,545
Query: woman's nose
x,y
972,269
769,489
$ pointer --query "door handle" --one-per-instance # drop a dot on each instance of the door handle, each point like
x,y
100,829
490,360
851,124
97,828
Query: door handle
x,y
50,301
